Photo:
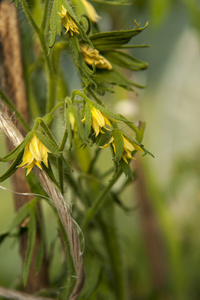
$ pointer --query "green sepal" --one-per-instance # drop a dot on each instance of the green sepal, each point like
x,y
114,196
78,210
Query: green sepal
x,y
68,127
114,77
30,245
15,152
79,125
125,60
104,138
119,144
55,21
48,143
49,171
113,39
11,170
101,108
88,119
126,169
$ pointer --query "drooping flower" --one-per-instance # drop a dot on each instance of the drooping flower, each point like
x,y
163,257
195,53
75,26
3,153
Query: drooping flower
x,y
92,14
68,22
99,121
128,148
35,153
92,56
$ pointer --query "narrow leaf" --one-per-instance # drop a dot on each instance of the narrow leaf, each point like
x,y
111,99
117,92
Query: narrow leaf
x,y
11,170
30,246
15,152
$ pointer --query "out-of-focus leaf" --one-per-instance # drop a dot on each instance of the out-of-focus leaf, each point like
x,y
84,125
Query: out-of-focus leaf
x,y
39,256
3,236
21,214
93,267
125,60
31,244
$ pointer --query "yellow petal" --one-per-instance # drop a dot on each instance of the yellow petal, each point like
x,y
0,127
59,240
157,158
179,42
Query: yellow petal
x,y
92,56
91,11
35,149
96,127
97,117
106,145
127,144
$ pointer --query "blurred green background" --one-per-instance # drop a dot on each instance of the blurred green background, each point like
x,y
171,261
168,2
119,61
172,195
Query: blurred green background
x,y
170,105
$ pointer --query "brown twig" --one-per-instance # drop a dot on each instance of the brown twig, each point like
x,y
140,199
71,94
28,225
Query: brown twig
x,y
10,130
12,294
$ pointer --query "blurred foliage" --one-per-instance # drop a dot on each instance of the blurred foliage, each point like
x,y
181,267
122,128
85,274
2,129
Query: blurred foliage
x,y
175,202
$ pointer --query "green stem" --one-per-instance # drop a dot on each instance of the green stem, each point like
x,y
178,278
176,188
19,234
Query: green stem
x,y
94,160
44,18
29,16
99,201
51,75
11,105
64,139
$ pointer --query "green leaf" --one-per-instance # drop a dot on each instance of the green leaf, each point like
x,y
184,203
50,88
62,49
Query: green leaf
x,y
3,236
93,273
31,244
21,214
11,170
112,39
15,152
125,60
55,21
79,125
119,144
39,256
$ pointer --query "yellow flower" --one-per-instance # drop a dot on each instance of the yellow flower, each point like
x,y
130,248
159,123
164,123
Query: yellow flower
x,y
72,121
99,121
92,56
68,22
91,11
128,148
35,153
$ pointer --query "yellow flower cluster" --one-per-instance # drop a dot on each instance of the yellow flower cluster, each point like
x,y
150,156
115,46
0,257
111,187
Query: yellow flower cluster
x,y
99,122
68,22
92,56
35,153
